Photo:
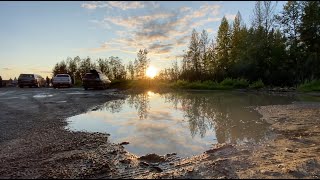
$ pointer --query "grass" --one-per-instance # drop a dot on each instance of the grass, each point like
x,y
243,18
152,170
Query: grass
x,y
139,84
257,84
308,86
227,84
146,84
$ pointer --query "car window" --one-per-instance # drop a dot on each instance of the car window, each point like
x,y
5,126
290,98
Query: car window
x,y
26,76
63,75
91,76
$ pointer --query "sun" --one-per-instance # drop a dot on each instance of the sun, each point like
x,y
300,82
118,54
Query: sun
x,y
151,72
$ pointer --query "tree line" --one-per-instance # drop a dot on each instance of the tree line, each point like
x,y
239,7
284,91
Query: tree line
x,y
279,49
112,67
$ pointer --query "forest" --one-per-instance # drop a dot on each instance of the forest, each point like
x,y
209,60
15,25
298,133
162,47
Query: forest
x,y
275,49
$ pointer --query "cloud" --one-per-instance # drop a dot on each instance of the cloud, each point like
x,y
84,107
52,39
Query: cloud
x,y
230,17
159,30
89,6
95,4
184,9
6,69
124,5
205,21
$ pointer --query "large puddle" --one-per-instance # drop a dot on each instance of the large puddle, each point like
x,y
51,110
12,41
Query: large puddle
x,y
186,123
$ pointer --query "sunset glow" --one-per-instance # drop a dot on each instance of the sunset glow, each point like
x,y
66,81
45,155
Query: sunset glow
x,y
151,72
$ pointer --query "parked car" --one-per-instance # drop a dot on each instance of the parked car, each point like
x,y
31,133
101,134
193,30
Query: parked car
x,y
31,80
61,80
95,79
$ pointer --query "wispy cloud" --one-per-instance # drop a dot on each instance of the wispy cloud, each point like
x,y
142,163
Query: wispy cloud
x,y
159,31
95,4
6,69
123,5
230,17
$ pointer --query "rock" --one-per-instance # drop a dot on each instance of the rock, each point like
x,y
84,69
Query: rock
x,y
157,168
143,163
125,161
124,143
280,165
263,171
152,158
289,150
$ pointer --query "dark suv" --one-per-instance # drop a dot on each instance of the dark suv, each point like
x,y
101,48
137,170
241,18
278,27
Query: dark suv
x,y
31,80
95,79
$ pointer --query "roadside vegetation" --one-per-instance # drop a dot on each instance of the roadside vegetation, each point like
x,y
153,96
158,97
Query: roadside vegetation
x,y
308,86
275,50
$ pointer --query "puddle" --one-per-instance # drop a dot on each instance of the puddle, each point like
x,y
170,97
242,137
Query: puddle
x,y
42,95
77,93
61,101
185,123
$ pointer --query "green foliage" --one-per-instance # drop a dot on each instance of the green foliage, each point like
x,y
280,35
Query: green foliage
x,y
235,83
228,83
257,85
262,53
313,85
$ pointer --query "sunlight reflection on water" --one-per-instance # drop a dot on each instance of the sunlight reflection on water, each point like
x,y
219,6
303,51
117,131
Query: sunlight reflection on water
x,y
184,123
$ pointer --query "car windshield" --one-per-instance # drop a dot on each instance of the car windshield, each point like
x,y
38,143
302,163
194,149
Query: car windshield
x,y
26,75
62,75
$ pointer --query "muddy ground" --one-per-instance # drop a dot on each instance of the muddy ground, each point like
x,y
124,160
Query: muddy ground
x,y
35,144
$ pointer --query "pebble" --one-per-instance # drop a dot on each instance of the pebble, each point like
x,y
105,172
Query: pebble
x,y
124,143
289,150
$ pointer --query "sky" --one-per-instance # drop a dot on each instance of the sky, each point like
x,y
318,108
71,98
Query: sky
x,y
34,35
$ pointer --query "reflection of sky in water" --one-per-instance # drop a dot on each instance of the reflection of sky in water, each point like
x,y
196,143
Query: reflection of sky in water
x,y
186,123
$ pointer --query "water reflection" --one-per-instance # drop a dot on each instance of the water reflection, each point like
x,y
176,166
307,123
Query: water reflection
x,y
225,113
185,122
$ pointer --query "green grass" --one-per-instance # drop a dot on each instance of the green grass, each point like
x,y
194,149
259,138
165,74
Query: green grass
x,y
308,86
227,84
139,84
257,84
212,85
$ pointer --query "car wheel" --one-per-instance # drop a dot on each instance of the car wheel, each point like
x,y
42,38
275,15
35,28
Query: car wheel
x,y
21,86
85,88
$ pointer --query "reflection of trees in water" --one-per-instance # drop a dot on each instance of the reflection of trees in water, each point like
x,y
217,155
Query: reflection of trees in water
x,y
138,101
114,106
141,103
226,113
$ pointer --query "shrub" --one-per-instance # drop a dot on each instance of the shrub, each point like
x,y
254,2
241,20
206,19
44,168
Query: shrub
x,y
235,83
313,85
241,83
257,84
227,82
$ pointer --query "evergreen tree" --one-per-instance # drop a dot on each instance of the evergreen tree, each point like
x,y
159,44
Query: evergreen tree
x,y
310,36
223,49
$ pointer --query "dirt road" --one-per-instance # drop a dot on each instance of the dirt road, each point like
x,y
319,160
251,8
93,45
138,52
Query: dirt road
x,y
35,144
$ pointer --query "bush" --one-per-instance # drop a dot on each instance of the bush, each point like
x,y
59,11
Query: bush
x,y
257,84
235,83
227,82
313,85
241,83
